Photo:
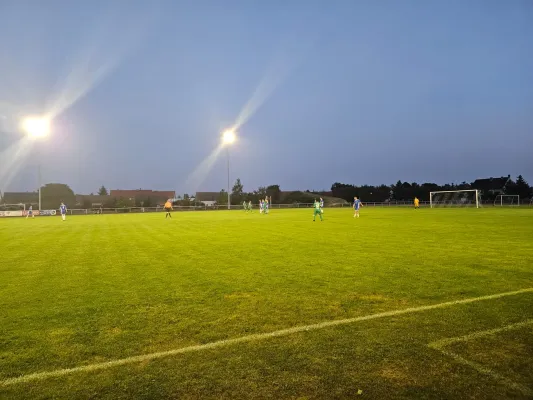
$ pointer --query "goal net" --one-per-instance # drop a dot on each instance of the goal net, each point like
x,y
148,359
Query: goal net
x,y
13,207
455,198
507,200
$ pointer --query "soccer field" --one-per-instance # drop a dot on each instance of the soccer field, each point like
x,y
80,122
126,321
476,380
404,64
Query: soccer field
x,y
398,304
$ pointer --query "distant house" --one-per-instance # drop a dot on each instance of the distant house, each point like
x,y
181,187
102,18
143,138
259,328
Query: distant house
x,y
493,186
207,198
158,196
28,198
94,200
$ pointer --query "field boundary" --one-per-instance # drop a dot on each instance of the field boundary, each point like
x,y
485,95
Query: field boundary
x,y
250,338
441,345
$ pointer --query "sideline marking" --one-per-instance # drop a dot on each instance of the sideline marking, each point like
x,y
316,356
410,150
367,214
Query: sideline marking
x,y
258,336
441,344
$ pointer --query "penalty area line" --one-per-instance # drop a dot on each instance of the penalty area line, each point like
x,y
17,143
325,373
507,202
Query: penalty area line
x,y
440,345
244,339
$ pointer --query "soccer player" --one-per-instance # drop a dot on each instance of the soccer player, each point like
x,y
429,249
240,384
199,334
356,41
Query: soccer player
x,y
30,212
317,211
265,204
322,205
168,209
417,203
356,206
250,206
245,206
63,211
261,206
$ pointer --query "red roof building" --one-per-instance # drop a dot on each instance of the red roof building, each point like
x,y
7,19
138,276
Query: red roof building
x,y
158,195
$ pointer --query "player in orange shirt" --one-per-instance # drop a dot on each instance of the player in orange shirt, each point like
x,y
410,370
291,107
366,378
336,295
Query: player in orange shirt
x,y
417,203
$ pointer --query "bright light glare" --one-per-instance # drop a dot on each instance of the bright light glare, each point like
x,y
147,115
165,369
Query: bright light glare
x,y
228,137
36,127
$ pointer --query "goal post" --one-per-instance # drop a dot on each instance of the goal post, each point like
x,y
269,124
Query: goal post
x,y
507,200
12,210
455,198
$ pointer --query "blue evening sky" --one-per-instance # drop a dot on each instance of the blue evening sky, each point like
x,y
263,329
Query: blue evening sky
x,y
345,90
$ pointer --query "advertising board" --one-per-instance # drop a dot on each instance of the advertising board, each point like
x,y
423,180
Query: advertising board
x,y
11,213
48,212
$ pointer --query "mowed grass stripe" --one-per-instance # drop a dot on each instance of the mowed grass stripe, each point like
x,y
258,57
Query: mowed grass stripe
x,y
97,288
250,338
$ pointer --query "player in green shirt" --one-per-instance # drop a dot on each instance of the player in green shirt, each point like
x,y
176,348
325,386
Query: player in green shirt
x,y
317,211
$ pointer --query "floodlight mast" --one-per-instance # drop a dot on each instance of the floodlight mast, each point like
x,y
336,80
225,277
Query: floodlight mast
x,y
228,137
37,128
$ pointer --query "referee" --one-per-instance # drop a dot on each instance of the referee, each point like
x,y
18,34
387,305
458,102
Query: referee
x,y
168,209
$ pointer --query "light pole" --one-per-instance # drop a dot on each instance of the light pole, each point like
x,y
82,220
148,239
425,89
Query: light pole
x,y
37,128
228,137
40,185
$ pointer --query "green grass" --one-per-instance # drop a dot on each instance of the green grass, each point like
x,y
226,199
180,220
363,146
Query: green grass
x,y
99,288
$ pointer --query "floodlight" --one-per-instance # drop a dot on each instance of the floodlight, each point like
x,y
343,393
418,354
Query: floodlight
x,y
228,137
36,127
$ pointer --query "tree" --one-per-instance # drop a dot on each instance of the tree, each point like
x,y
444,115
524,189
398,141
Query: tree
x,y
222,197
102,191
260,192
237,192
398,192
274,192
522,188
510,187
298,197
110,202
124,202
53,194
343,191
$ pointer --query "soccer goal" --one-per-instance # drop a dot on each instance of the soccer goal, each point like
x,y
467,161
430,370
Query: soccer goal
x,y
455,198
12,210
507,200
13,207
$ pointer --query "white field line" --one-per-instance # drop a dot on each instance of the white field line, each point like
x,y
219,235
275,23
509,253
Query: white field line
x,y
441,344
244,339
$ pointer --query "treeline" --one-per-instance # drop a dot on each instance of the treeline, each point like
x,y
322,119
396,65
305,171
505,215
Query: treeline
x,y
53,194
405,191
400,191
238,195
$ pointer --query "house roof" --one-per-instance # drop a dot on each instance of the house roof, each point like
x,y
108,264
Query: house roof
x,y
93,198
20,197
207,196
491,183
140,193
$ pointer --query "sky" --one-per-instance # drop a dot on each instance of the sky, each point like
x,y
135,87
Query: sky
x,y
361,92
